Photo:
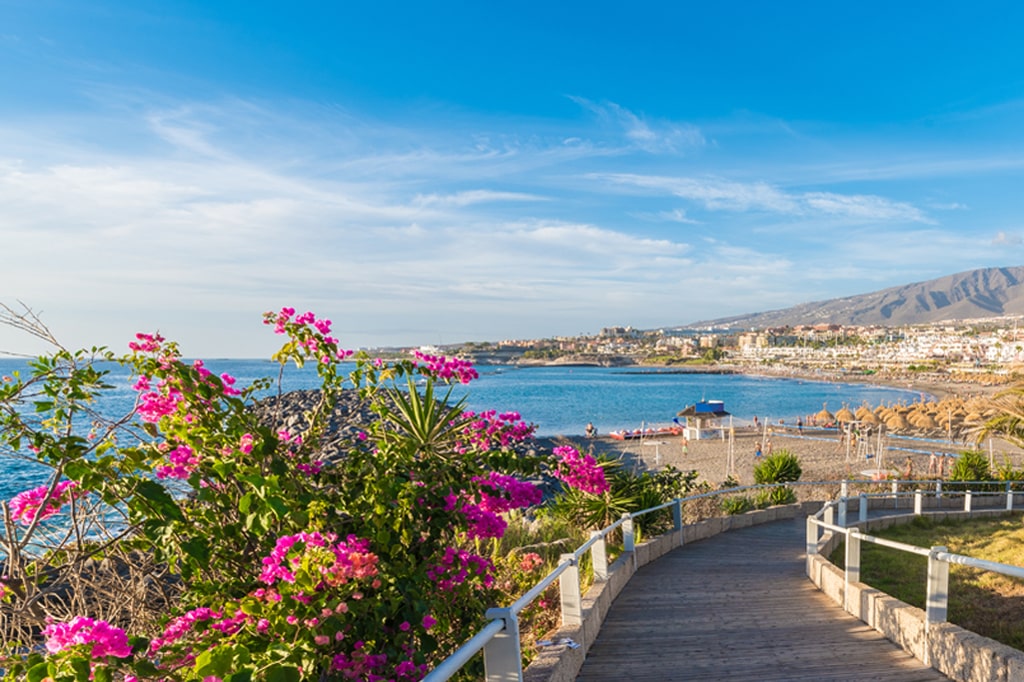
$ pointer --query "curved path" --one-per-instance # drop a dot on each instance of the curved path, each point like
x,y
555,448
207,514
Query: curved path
x,y
739,606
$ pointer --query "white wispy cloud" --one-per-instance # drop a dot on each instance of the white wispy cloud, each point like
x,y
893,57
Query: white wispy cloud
x,y
417,234
1007,239
677,215
652,136
718,194
471,197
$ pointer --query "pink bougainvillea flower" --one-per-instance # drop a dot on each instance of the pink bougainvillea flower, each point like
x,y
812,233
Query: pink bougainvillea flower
x,y
106,640
25,505
580,471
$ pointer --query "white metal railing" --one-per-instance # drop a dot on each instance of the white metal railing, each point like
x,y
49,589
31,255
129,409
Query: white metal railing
x,y
939,558
499,639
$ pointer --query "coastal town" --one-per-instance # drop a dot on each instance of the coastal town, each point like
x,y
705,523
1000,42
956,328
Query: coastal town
x,y
984,351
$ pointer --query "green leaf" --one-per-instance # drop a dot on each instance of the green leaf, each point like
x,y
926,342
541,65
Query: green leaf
x,y
198,548
159,499
37,672
280,673
102,674
81,668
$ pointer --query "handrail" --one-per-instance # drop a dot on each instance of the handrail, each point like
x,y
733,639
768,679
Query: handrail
x,y
465,653
567,571
939,558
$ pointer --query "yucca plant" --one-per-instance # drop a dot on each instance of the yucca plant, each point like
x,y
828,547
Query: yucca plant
x,y
737,505
770,497
780,467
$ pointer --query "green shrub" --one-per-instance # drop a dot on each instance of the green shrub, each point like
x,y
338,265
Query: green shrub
x,y
737,505
773,496
780,467
971,465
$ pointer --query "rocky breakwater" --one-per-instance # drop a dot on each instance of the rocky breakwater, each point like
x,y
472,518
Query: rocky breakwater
x,y
291,411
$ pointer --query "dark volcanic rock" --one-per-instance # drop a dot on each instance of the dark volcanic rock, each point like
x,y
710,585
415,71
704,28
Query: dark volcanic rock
x,y
290,411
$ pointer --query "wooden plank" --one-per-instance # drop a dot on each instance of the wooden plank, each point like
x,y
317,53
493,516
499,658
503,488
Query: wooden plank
x,y
738,606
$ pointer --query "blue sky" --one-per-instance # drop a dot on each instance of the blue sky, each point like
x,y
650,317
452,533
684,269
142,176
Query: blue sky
x,y
427,173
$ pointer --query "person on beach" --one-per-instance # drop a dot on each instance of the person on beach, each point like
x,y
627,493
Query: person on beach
x,y
686,446
933,464
908,469
757,450
755,422
768,448
591,430
800,426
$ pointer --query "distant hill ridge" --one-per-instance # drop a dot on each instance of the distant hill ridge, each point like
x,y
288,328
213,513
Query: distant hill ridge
x,y
988,292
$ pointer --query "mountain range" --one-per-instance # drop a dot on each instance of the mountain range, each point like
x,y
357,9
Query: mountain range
x,y
987,292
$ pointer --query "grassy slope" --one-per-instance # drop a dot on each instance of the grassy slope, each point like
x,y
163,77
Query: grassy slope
x,y
987,603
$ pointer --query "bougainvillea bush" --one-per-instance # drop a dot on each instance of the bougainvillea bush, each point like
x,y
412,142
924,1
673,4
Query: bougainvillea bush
x,y
242,551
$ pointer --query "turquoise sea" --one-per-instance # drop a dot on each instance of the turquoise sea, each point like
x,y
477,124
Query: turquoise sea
x,y
559,400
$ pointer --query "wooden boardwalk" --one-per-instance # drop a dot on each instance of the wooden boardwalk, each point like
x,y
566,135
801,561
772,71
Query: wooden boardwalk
x,y
739,606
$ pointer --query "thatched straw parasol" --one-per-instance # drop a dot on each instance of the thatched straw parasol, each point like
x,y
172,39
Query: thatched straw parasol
x,y
824,416
897,422
870,418
844,416
925,421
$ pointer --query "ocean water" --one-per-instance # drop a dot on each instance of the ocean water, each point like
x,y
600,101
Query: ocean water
x,y
559,400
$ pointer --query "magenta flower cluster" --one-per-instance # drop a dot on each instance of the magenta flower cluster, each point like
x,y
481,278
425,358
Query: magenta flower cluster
x,y
181,626
498,493
146,343
182,462
447,369
339,562
579,471
311,341
490,429
106,640
457,566
25,506
506,493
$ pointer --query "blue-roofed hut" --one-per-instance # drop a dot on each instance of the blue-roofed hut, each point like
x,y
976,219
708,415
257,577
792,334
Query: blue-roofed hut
x,y
704,420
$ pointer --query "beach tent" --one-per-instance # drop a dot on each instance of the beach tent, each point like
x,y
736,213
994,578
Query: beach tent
x,y
704,419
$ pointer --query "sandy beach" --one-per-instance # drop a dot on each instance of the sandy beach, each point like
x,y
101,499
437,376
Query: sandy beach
x,y
822,456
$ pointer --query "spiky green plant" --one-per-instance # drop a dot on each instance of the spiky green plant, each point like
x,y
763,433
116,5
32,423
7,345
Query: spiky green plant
x,y
780,467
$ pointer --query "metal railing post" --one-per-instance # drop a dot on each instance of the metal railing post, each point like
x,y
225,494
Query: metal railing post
x,y
811,544
629,537
829,515
895,495
599,556
967,501
938,489
844,488
918,500
862,514
569,585
503,661
677,515
1009,497
852,566
842,512
937,602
